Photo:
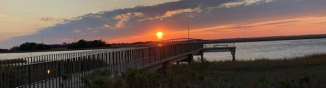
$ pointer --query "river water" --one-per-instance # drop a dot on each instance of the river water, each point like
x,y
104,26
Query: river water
x,y
244,51
271,50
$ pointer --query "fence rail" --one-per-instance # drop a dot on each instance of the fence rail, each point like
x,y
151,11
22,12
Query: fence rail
x,y
219,45
46,71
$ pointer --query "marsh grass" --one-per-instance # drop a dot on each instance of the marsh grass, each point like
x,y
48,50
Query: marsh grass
x,y
260,64
303,72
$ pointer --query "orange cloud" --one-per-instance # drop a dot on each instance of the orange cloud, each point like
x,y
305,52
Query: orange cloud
x,y
138,14
106,26
89,28
123,19
241,3
51,19
189,12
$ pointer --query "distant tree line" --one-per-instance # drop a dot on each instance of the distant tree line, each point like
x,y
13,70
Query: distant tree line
x,y
81,44
86,44
58,46
4,50
31,46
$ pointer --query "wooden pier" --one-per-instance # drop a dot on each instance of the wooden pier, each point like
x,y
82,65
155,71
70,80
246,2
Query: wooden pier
x,y
46,71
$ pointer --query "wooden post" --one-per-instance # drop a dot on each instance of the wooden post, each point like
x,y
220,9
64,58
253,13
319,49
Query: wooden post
x,y
110,62
14,73
233,54
118,62
165,67
202,56
1,74
190,58
29,76
113,63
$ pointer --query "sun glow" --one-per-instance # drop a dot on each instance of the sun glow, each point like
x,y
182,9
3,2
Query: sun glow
x,y
159,35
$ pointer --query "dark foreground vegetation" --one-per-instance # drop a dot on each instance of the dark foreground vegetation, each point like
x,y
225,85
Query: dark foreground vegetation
x,y
304,72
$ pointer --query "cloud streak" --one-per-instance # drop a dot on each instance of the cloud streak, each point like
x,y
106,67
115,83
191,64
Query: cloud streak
x,y
242,3
280,23
52,19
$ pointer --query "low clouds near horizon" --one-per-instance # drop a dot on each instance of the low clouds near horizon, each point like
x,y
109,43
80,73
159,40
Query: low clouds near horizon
x,y
170,16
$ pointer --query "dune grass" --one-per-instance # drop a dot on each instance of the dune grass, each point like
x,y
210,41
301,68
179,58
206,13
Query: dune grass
x,y
303,72
311,60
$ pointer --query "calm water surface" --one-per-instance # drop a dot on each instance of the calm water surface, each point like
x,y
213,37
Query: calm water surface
x,y
271,50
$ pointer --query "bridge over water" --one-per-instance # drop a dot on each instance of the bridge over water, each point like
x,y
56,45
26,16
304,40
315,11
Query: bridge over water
x,y
44,71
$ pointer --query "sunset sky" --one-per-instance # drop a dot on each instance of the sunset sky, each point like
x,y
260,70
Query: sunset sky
x,y
139,20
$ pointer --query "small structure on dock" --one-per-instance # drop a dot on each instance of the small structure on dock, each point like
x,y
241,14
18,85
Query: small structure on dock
x,y
220,48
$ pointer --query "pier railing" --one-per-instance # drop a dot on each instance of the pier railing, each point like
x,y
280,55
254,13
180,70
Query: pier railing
x,y
219,45
48,71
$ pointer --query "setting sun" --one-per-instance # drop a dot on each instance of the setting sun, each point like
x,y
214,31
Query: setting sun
x,y
159,35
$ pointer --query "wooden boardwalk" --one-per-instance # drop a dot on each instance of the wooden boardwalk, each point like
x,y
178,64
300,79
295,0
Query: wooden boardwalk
x,y
44,71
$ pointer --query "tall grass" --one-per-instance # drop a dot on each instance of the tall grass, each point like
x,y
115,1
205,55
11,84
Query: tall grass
x,y
303,72
311,60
